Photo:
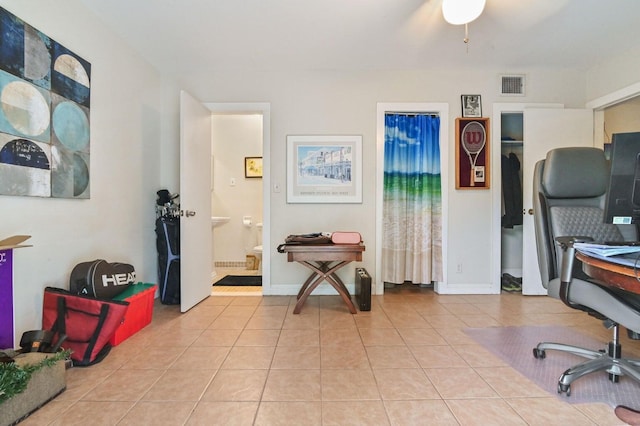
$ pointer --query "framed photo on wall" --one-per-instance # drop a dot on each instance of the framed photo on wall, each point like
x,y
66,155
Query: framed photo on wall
x,y
253,167
324,169
472,153
471,106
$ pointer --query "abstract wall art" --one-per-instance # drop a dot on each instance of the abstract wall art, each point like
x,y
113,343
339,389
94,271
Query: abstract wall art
x,y
44,114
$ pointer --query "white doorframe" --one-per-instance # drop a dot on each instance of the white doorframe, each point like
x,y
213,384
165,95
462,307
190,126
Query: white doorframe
x,y
616,97
496,178
442,109
263,108
600,104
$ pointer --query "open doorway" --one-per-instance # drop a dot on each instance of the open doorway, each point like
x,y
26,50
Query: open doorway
x,y
240,196
609,111
623,117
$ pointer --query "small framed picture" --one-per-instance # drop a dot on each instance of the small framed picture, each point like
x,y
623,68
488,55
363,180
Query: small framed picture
x,y
471,106
253,167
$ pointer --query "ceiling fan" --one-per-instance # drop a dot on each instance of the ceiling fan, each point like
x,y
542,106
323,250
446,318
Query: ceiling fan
x,y
459,12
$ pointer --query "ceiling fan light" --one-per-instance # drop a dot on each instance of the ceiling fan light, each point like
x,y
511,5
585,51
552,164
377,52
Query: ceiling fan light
x,y
458,12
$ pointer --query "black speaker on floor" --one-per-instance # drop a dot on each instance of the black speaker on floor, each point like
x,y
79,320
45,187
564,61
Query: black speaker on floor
x,y
363,289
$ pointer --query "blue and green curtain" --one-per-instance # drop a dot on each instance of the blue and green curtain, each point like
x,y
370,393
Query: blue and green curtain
x,y
412,209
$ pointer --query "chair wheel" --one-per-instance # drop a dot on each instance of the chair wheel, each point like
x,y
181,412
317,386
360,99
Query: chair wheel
x,y
539,353
564,388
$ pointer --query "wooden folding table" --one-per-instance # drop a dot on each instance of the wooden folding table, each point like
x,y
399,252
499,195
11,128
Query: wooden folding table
x,y
324,260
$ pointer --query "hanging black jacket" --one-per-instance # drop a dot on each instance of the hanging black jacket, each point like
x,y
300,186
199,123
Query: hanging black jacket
x,y
511,191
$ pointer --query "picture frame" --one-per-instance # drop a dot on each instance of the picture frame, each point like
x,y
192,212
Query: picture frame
x,y
471,106
472,153
324,169
45,136
252,167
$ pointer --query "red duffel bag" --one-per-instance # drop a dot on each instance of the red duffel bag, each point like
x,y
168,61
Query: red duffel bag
x,y
88,323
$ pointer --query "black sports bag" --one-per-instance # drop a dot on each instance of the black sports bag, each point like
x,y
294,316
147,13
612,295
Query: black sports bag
x,y
101,279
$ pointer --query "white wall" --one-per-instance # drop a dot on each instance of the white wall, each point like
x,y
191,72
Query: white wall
x,y
613,74
117,223
334,102
235,137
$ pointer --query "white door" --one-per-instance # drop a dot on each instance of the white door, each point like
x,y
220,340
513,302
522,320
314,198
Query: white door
x,y
195,201
545,129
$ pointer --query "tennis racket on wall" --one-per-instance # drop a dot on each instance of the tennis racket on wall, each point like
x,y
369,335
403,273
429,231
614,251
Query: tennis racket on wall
x,y
473,139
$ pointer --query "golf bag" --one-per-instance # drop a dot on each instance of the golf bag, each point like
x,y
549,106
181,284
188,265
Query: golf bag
x,y
168,246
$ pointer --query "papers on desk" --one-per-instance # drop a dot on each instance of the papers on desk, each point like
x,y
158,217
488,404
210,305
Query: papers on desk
x,y
606,249
628,255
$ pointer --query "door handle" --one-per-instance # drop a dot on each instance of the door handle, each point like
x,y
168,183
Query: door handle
x,y
190,213
530,211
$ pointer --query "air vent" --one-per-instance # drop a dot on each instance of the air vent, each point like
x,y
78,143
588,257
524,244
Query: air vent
x,y
512,85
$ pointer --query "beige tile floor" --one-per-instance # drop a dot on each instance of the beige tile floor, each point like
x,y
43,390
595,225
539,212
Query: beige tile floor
x,y
250,361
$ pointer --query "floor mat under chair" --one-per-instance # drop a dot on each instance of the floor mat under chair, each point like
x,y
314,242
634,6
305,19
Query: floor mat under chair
x,y
514,345
240,280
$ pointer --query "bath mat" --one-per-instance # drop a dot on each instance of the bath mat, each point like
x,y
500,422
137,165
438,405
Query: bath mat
x,y
514,345
240,280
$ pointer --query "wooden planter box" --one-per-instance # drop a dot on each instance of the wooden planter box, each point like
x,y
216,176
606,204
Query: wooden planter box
x,y
45,384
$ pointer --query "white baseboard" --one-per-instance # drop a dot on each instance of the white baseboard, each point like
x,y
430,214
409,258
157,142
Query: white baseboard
x,y
467,289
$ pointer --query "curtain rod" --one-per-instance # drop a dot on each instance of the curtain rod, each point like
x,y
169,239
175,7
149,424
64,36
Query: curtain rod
x,y
433,114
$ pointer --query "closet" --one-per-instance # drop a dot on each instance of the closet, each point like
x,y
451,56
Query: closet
x,y
511,144
529,131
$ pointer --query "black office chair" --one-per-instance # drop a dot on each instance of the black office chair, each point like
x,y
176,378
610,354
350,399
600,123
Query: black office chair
x,y
569,191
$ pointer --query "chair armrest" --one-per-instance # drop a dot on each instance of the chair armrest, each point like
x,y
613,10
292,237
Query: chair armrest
x,y
566,270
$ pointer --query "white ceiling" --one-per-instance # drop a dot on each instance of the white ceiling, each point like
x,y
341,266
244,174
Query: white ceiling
x,y
182,35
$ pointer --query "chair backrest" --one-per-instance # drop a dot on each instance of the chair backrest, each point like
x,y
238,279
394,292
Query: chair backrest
x,y
569,191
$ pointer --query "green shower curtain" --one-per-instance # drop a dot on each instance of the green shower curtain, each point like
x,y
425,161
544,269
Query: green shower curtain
x,y
412,209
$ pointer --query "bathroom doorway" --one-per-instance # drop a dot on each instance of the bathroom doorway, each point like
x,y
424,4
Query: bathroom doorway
x,y
239,198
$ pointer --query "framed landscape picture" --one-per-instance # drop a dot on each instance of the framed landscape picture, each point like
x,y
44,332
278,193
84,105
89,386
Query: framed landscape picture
x,y
324,169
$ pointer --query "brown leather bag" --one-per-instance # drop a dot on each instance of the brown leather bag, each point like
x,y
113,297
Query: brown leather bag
x,y
301,239
315,238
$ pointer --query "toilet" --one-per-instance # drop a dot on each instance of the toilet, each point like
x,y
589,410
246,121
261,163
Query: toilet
x,y
257,250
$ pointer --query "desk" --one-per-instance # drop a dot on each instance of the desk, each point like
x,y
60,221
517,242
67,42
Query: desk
x,y
610,274
324,260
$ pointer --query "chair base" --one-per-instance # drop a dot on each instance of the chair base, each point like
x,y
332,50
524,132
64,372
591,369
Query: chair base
x,y
605,360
